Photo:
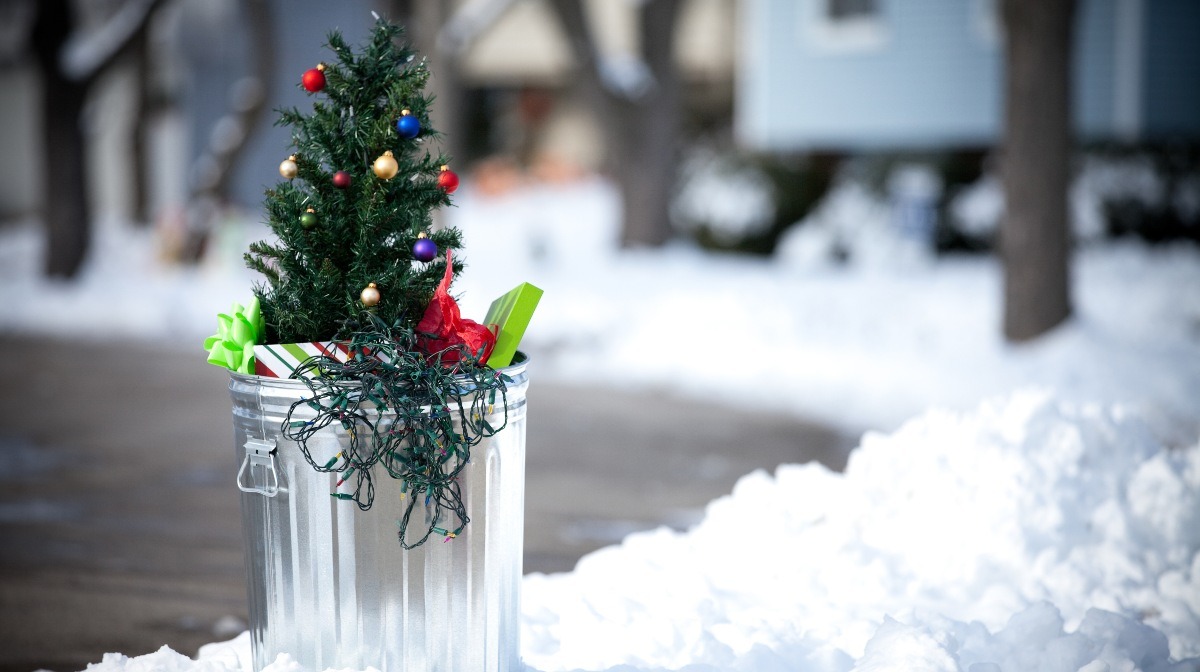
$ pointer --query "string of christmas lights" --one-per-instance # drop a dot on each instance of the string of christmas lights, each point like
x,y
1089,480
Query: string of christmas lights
x,y
405,412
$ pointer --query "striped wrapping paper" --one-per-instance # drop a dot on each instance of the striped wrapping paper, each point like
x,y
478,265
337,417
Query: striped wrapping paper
x,y
279,360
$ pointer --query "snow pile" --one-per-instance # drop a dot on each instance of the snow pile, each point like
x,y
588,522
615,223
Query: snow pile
x,y
231,656
1033,639
977,208
732,198
850,221
853,219
957,525
125,289
223,657
1028,534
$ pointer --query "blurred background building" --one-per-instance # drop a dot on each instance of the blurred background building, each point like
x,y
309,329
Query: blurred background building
x,y
754,96
205,60
923,74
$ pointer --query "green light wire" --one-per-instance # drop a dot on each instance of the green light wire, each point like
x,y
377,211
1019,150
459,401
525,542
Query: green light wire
x,y
405,412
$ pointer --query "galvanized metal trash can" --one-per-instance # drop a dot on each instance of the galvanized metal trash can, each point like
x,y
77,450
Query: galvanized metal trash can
x,y
331,586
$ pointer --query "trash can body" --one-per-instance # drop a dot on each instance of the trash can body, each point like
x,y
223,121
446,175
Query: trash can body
x,y
331,586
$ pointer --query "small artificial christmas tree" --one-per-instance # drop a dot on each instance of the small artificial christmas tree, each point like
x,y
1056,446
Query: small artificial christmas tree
x,y
353,217
355,275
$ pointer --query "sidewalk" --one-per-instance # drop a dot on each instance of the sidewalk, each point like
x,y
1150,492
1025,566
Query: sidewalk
x,y
119,520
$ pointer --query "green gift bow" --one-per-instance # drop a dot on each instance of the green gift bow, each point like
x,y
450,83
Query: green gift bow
x,y
233,345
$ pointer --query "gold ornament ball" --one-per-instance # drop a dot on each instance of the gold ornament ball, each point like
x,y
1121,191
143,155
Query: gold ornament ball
x,y
385,166
288,167
370,295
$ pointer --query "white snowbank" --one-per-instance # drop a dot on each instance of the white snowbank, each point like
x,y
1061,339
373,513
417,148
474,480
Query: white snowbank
x,y
1027,534
958,525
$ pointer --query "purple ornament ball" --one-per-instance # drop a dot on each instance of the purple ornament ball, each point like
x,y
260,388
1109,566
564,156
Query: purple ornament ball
x,y
425,249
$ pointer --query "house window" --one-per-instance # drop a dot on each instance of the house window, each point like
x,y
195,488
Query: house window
x,y
845,10
843,26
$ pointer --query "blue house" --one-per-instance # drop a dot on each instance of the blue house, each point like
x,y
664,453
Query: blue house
x,y
848,75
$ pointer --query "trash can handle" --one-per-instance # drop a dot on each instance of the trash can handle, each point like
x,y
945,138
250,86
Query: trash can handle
x,y
260,453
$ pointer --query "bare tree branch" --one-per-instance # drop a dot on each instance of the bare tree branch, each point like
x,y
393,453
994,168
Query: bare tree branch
x,y
637,102
213,169
467,23
16,19
573,18
88,53
657,27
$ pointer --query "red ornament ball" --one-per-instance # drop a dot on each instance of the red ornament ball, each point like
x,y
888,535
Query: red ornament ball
x,y
314,79
447,180
341,179
424,249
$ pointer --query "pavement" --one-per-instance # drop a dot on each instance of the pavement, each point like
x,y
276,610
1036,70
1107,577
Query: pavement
x,y
119,520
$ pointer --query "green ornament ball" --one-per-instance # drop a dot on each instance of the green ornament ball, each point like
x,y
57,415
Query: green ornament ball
x,y
309,219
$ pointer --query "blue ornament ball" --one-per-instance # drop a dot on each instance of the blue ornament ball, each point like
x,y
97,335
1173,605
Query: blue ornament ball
x,y
425,249
408,126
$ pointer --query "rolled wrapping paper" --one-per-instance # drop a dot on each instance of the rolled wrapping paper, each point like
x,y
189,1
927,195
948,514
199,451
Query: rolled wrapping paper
x,y
233,345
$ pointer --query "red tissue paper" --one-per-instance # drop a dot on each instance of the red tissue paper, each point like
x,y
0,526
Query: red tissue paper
x,y
443,326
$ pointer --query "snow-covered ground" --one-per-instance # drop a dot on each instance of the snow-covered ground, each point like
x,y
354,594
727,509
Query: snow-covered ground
x,y
1013,507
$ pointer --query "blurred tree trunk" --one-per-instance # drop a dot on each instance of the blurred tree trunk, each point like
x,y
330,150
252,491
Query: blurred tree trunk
x,y
140,145
65,89
64,148
1035,230
641,120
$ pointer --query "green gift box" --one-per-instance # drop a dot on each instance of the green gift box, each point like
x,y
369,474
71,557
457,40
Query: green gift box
x,y
510,314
